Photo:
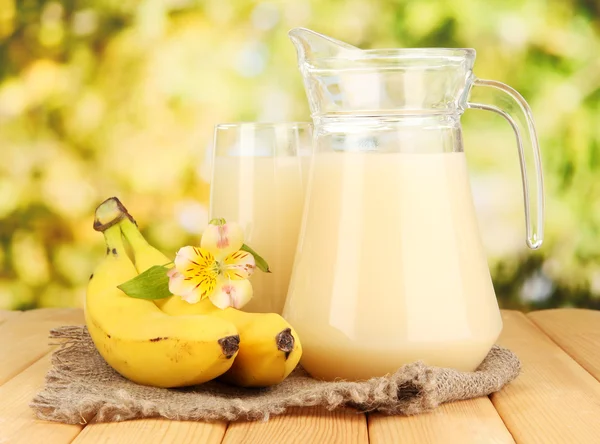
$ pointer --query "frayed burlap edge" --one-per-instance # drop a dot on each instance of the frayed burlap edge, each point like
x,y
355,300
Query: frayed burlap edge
x,y
80,386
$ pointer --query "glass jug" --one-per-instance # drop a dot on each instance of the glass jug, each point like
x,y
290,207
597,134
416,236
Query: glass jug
x,y
390,267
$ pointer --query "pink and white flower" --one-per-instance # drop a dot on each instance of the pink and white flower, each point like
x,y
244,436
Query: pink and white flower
x,y
218,269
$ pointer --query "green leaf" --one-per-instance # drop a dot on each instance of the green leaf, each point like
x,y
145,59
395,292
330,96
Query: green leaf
x,y
151,284
260,262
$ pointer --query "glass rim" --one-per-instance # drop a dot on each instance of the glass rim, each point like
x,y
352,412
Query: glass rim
x,y
289,125
424,52
397,59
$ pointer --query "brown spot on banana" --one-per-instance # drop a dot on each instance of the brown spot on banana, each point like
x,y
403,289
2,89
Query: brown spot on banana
x,y
229,345
158,339
285,341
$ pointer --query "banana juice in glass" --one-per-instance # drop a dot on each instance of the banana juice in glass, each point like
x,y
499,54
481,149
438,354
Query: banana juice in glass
x,y
259,177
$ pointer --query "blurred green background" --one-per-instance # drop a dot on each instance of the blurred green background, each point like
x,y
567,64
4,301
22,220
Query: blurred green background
x,y
119,97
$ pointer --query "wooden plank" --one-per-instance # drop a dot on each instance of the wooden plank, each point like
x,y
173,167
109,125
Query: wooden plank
x,y
24,338
302,425
151,431
473,421
17,421
8,314
554,400
576,331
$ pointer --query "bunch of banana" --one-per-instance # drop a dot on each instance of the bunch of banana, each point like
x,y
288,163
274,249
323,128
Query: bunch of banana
x,y
169,342
269,346
135,337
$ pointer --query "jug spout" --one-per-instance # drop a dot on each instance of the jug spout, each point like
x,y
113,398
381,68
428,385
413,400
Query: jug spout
x,y
341,79
311,45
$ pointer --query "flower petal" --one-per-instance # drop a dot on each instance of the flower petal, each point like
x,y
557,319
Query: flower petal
x,y
179,286
239,265
192,297
194,276
222,240
192,289
231,293
189,258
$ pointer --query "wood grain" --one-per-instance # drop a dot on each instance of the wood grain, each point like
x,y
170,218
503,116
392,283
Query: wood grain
x,y
302,425
152,431
576,331
17,421
8,314
474,421
24,338
554,400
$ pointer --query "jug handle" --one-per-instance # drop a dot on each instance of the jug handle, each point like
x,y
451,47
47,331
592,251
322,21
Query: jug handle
x,y
507,102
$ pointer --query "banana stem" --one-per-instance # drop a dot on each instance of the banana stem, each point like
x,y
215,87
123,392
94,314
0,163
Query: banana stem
x,y
132,234
114,241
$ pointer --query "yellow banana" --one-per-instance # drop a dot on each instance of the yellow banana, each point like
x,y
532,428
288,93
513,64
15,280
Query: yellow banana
x,y
136,338
269,346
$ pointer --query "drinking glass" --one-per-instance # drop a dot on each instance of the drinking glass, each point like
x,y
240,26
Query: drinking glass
x,y
259,173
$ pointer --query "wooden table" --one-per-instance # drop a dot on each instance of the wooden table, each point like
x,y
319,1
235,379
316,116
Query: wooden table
x,y
556,399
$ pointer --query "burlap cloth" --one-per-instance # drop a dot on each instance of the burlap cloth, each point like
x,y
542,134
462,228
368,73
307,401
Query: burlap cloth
x,y
81,386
